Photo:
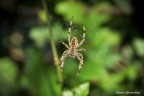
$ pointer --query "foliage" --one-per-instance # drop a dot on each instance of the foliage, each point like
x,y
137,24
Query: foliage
x,y
108,66
81,90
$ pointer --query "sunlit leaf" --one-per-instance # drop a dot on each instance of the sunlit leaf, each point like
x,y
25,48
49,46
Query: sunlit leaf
x,y
98,15
69,9
81,90
42,16
139,46
67,93
8,76
8,70
106,35
40,35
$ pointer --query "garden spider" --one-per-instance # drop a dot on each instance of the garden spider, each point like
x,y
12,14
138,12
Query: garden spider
x,y
72,48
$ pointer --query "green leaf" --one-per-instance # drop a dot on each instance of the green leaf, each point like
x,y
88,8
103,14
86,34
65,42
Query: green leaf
x,y
69,9
42,79
132,71
67,93
105,35
42,16
139,46
112,59
97,17
81,90
8,70
40,35
111,83
93,71
8,76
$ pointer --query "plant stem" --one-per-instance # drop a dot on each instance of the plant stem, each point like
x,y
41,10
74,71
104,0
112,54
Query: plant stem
x,y
54,50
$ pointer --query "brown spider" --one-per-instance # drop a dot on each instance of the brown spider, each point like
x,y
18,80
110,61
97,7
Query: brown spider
x,y
72,48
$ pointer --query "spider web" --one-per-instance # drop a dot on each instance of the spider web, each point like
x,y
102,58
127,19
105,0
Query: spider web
x,y
63,31
77,29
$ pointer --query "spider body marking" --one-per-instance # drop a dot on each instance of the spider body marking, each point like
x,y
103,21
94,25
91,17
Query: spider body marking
x,y
72,48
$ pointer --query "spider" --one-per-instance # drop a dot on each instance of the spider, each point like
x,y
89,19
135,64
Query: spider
x,y
72,48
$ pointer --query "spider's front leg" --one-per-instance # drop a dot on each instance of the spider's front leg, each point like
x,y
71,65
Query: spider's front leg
x,y
80,58
65,44
69,30
64,55
83,37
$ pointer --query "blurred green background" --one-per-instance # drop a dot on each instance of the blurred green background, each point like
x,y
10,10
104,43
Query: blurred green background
x,y
113,60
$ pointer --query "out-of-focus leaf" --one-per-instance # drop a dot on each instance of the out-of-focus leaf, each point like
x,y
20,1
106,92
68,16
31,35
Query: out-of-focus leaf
x,y
127,52
93,70
40,35
8,76
112,60
97,17
69,9
42,80
139,46
106,35
67,93
100,58
111,83
81,90
53,81
132,71
59,33
42,16
8,70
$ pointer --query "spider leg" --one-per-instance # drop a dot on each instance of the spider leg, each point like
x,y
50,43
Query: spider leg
x,y
83,37
65,44
80,58
81,49
69,30
63,57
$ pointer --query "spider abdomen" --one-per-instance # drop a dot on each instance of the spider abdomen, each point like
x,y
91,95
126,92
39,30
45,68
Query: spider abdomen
x,y
74,43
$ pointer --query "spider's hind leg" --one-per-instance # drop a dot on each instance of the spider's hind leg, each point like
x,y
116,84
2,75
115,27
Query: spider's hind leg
x,y
63,57
80,58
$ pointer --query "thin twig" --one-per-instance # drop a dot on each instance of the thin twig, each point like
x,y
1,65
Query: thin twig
x,y
54,50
